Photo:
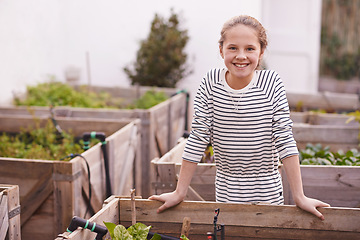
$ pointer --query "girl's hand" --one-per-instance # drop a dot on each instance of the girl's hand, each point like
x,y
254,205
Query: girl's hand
x,y
310,205
169,199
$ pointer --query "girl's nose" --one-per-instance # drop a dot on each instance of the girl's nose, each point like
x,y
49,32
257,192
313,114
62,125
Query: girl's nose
x,y
241,56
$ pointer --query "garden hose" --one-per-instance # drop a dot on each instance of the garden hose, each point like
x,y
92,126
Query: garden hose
x,y
89,207
86,224
87,136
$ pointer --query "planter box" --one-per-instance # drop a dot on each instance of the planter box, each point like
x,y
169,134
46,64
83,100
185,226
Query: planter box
x,y
327,129
337,185
161,125
242,221
51,192
10,228
329,101
165,172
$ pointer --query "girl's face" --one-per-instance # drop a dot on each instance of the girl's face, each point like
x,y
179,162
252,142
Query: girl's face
x,y
241,52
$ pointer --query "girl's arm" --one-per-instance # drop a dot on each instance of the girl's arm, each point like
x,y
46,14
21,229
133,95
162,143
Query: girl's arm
x,y
292,169
173,198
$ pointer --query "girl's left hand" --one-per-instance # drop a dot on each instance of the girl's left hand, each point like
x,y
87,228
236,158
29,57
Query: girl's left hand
x,y
310,205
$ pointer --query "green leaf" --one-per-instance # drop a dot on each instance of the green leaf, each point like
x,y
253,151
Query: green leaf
x,y
110,226
139,231
183,237
120,233
156,237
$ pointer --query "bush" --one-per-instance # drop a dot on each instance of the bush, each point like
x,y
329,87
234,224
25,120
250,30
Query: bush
x,y
39,143
161,58
54,93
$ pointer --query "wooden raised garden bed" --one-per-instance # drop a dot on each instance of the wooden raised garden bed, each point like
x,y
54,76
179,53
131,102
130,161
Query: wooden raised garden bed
x,y
51,192
10,228
327,129
328,101
241,221
161,125
337,185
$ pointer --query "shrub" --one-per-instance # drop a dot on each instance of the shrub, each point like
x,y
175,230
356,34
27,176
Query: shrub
x,y
161,59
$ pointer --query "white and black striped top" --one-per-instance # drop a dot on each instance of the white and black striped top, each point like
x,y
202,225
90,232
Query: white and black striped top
x,y
250,130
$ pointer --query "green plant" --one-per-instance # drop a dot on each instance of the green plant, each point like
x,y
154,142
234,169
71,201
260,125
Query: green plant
x,y
149,99
138,231
317,155
39,143
55,93
161,59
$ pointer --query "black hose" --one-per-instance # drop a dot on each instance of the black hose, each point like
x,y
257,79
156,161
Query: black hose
x,y
100,136
88,170
86,224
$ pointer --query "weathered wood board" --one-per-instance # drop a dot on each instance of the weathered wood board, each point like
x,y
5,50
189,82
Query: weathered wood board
x,y
329,101
10,226
242,221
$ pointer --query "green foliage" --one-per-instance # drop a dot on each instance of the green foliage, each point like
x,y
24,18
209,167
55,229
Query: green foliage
x,y
317,155
61,94
149,99
38,143
55,93
161,58
138,231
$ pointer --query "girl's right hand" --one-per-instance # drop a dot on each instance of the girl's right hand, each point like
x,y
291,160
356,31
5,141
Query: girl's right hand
x,y
169,199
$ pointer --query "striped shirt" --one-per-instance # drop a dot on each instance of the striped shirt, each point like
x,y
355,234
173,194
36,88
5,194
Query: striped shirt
x,y
250,130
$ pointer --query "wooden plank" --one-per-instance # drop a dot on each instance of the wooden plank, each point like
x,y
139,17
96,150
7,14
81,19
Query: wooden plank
x,y
165,178
123,157
325,133
331,119
4,217
40,224
324,100
159,120
337,185
175,154
13,195
35,189
109,213
243,221
76,126
177,118
289,219
65,174
10,212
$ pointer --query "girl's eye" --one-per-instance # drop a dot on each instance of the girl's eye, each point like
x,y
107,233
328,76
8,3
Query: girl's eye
x,y
250,49
232,48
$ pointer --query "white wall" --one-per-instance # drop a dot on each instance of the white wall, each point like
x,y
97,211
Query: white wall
x,y
39,38
294,28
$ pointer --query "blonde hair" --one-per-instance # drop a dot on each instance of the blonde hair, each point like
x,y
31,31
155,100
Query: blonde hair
x,y
247,21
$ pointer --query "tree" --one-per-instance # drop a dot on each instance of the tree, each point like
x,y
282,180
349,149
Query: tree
x,y
161,59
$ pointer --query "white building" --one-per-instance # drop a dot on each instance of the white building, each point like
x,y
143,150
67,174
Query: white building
x,y
40,39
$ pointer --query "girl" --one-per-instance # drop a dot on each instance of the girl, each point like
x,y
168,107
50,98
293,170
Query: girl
x,y
243,112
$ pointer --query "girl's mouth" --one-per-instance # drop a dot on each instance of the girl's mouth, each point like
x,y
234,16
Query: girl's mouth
x,y
241,65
